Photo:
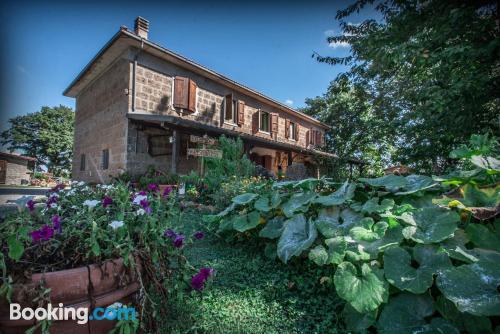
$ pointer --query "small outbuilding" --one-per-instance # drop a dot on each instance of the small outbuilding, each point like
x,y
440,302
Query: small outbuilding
x,y
15,169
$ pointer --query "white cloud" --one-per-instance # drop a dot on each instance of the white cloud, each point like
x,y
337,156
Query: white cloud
x,y
335,45
289,102
329,32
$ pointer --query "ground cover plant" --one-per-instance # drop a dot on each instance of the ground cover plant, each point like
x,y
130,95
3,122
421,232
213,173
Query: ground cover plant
x,y
415,253
84,225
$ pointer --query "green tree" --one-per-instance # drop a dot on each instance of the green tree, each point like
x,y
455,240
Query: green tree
x,y
46,134
430,71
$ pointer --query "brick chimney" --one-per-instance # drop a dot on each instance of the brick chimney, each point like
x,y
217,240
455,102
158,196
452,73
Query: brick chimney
x,y
141,27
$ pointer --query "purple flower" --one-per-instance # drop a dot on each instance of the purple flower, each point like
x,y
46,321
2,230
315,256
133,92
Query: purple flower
x,y
51,200
142,193
144,203
56,221
148,210
153,187
45,233
169,233
57,187
106,201
30,205
178,241
198,235
198,280
167,191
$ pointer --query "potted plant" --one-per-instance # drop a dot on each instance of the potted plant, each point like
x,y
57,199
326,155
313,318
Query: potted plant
x,y
87,248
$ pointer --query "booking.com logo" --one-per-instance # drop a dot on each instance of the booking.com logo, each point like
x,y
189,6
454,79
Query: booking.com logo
x,y
115,311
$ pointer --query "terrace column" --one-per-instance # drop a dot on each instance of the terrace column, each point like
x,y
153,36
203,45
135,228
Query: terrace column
x,y
175,151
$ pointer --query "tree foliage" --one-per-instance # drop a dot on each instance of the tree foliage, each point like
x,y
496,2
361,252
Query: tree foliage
x,y
428,73
46,134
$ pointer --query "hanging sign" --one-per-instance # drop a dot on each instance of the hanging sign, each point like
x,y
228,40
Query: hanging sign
x,y
204,152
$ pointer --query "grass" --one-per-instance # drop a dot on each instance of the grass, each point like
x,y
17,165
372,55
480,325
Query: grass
x,y
251,293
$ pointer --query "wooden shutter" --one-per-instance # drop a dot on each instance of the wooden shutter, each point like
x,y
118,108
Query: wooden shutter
x,y
192,95
287,128
241,112
255,121
297,131
268,162
321,139
318,138
274,123
181,88
308,135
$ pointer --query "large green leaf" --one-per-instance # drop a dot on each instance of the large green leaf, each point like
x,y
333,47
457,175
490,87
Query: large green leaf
x,y
318,255
391,182
481,197
244,198
455,247
267,203
368,230
400,273
488,163
484,237
328,223
416,183
372,206
358,322
463,321
246,222
297,203
16,247
405,313
473,287
430,225
336,249
365,289
273,228
344,193
349,218
392,237
298,235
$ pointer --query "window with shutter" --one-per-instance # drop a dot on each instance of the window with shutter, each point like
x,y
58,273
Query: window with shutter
x,y
318,138
181,92
308,135
105,159
264,121
228,109
241,113
192,96
274,123
297,132
287,128
256,121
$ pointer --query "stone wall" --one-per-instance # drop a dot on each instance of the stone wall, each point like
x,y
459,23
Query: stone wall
x,y
17,171
101,123
154,95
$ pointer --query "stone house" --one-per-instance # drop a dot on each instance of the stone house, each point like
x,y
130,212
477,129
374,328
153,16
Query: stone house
x,y
15,169
137,103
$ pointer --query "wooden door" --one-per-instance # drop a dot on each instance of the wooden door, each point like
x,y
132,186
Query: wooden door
x,y
3,171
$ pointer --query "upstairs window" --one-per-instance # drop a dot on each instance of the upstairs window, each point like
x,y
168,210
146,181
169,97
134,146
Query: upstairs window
x,y
105,159
82,162
230,107
264,121
293,131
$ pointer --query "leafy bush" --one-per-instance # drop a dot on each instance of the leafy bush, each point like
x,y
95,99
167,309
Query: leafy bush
x,y
410,253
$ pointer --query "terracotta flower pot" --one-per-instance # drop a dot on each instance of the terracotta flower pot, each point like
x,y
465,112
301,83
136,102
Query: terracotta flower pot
x,y
90,286
164,186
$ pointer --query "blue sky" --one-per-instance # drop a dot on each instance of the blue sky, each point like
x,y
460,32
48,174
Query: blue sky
x,y
264,45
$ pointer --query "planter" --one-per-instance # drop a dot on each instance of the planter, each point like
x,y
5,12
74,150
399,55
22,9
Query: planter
x,y
90,286
164,186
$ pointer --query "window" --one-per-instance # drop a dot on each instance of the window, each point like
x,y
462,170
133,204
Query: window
x,y
230,109
264,121
293,131
82,162
105,159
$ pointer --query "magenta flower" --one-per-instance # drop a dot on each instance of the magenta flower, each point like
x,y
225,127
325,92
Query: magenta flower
x,y
198,235
169,233
178,241
56,222
145,205
106,201
167,191
142,193
30,205
51,200
153,187
198,280
45,233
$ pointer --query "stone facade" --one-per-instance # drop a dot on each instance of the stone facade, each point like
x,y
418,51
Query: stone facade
x,y
16,169
101,123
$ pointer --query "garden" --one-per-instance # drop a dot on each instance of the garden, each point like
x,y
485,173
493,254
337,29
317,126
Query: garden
x,y
395,254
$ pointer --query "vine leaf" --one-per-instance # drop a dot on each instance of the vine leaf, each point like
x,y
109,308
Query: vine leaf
x,y
430,225
400,273
344,193
364,290
298,235
473,287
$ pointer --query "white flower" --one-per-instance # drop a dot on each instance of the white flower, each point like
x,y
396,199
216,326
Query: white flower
x,y
53,205
140,212
139,198
91,203
116,224
81,184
